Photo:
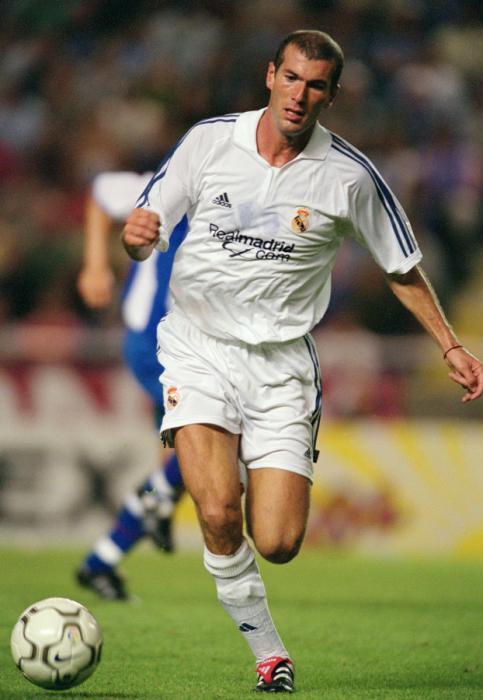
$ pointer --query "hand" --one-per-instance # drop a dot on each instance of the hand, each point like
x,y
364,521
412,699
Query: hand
x,y
96,286
141,233
467,371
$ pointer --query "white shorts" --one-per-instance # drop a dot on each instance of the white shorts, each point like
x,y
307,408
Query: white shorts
x,y
269,394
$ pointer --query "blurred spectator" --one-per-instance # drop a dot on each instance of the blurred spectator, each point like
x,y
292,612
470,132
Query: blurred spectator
x,y
91,86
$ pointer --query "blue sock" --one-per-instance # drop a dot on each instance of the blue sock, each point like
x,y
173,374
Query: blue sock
x,y
128,528
172,472
95,564
127,531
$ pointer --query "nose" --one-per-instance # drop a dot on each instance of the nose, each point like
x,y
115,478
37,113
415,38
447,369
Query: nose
x,y
299,92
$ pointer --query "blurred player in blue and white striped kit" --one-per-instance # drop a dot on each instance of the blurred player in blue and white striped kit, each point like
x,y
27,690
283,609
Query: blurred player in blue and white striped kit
x,y
147,511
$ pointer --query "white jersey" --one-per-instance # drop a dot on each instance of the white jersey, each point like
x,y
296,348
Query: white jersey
x,y
262,240
116,192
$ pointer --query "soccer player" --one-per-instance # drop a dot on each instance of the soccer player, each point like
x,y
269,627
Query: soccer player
x,y
147,511
270,196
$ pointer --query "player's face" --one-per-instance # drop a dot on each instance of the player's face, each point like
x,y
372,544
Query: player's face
x,y
300,89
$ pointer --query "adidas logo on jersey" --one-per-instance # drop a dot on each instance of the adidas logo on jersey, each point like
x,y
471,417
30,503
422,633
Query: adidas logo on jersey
x,y
222,200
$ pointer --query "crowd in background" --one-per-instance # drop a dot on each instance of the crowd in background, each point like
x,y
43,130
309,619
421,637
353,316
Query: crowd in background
x,y
92,85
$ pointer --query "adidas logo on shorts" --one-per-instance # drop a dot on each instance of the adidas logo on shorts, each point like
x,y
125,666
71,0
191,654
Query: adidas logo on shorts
x,y
222,200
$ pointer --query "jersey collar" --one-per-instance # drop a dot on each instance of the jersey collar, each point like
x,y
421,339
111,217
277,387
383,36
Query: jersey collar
x,y
244,135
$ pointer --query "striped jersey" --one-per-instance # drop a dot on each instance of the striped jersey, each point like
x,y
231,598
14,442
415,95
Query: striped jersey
x,y
262,240
145,296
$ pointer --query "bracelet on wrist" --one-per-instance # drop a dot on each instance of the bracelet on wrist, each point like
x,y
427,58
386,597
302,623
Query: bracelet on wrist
x,y
453,347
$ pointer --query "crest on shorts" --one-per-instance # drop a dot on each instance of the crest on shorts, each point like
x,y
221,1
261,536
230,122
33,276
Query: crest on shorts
x,y
172,398
301,221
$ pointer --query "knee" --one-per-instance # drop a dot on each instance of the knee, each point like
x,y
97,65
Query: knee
x,y
220,519
279,550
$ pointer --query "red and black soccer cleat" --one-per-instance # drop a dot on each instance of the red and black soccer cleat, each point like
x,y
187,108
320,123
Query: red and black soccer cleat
x,y
275,675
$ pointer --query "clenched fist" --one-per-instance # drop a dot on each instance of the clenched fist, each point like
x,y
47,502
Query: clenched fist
x,y
141,233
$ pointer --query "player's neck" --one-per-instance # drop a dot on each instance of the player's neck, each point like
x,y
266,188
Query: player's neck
x,y
275,147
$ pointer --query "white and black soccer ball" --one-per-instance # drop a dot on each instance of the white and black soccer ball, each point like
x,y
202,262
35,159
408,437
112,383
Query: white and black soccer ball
x,y
56,643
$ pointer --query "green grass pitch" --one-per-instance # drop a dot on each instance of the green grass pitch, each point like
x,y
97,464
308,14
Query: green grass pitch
x,y
357,628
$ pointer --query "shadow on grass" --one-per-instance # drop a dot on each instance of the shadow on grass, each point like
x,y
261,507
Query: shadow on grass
x,y
378,604
387,685
22,695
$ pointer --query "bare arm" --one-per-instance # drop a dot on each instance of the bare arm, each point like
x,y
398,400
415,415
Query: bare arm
x,y
96,280
141,233
415,292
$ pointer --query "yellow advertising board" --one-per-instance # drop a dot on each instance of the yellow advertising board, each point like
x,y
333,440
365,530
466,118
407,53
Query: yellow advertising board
x,y
396,488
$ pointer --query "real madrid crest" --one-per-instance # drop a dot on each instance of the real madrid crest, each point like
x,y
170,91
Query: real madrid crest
x,y
173,398
301,221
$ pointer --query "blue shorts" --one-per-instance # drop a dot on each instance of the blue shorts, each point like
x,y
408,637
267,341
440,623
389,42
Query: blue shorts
x,y
140,356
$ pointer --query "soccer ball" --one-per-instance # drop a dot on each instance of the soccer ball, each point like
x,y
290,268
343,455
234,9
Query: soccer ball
x,y
56,643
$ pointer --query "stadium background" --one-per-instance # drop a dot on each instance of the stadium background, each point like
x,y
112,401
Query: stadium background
x,y
87,86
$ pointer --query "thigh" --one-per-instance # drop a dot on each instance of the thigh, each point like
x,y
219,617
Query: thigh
x,y
277,508
208,457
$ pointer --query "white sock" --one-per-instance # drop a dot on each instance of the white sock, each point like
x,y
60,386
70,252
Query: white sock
x,y
241,591
164,494
108,551
158,499
162,485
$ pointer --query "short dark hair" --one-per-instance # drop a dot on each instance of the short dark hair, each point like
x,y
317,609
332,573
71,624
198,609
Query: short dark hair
x,y
316,46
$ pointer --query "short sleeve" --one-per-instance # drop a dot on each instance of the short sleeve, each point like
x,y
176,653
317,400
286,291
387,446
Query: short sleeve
x,y
169,193
116,192
380,223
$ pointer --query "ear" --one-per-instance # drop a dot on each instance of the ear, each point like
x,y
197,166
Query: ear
x,y
333,95
270,75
